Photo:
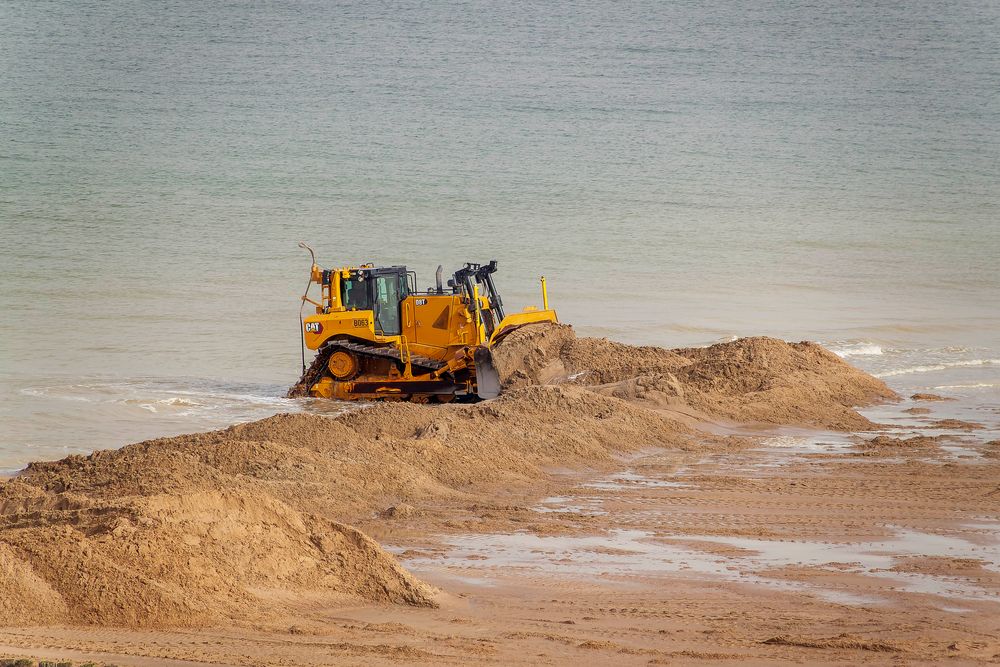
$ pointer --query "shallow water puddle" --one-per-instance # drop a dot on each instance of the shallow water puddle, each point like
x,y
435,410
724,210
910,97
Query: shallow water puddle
x,y
568,504
957,407
618,552
828,443
960,451
877,558
792,449
740,559
631,479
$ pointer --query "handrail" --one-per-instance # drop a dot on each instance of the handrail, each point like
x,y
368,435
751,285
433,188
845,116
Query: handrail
x,y
318,305
405,356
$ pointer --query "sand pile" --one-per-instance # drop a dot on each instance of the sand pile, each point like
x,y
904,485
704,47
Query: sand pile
x,y
550,353
241,525
768,380
192,559
747,380
245,525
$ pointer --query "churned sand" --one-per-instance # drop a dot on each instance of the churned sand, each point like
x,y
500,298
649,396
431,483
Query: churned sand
x,y
256,538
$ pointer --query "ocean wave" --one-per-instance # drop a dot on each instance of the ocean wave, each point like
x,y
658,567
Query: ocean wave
x,y
938,367
162,401
858,350
54,392
977,385
166,392
223,395
154,405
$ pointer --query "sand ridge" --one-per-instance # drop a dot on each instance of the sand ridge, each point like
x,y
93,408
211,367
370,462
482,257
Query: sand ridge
x,y
748,380
247,524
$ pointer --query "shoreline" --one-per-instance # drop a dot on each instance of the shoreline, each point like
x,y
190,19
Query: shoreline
x,y
93,413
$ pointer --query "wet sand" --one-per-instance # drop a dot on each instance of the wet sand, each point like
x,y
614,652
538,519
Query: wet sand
x,y
721,542
794,550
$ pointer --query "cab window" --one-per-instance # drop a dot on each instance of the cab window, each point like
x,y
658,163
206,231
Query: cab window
x,y
354,294
387,297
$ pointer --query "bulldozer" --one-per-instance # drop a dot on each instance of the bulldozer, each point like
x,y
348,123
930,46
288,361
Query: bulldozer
x,y
377,337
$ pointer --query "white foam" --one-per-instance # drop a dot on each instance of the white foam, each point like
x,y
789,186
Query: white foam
x,y
938,367
978,385
858,350
46,392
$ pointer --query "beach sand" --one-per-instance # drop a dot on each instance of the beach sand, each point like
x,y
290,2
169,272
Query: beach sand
x,y
617,505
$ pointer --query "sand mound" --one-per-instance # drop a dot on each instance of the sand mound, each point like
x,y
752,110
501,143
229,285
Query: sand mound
x,y
533,355
768,380
551,353
241,525
245,524
189,559
748,380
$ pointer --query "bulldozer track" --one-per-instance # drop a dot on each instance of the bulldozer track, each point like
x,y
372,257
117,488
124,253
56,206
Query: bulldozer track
x,y
388,352
315,370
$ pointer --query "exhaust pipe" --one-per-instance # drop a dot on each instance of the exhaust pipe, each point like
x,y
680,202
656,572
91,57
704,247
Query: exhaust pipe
x,y
437,279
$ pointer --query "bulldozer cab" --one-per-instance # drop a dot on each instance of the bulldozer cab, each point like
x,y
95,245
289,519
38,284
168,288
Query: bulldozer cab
x,y
380,291
388,289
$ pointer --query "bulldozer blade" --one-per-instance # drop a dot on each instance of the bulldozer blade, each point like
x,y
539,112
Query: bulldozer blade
x,y
487,378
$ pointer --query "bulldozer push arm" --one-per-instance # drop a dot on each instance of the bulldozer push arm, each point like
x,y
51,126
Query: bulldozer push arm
x,y
378,337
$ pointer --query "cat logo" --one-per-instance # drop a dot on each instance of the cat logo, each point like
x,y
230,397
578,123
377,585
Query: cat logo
x,y
420,302
314,327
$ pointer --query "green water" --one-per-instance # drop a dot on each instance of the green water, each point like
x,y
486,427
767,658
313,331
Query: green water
x,y
681,173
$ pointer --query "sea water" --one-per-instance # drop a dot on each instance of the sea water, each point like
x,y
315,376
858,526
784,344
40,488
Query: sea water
x,y
680,172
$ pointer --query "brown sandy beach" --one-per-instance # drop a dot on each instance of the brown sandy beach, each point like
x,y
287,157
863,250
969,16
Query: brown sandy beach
x,y
616,505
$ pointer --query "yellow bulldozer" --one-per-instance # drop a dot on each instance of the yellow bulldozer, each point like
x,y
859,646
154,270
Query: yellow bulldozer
x,y
377,337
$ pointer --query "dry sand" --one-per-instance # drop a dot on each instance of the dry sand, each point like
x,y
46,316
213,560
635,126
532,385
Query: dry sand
x,y
251,545
751,380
